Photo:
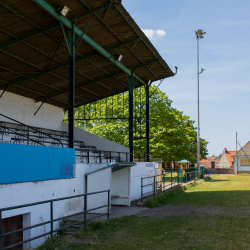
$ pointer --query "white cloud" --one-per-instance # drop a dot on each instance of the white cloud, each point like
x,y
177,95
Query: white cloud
x,y
154,34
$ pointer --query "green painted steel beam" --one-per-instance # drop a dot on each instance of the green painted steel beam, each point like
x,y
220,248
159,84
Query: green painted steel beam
x,y
145,64
130,49
82,85
65,64
21,39
162,78
137,33
67,23
26,89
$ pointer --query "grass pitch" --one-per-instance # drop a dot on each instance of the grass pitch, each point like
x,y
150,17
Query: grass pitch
x,y
210,215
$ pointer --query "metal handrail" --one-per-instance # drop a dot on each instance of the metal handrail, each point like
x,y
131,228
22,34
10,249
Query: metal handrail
x,y
32,128
155,182
52,220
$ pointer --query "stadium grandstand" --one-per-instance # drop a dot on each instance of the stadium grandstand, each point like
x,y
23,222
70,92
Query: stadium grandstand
x,y
55,56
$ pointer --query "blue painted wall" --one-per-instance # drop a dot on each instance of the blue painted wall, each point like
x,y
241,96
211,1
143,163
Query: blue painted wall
x,y
24,163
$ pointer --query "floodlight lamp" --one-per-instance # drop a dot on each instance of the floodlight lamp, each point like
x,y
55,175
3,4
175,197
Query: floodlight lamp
x,y
118,57
149,82
63,10
198,32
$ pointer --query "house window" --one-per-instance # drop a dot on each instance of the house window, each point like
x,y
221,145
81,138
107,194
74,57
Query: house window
x,y
244,162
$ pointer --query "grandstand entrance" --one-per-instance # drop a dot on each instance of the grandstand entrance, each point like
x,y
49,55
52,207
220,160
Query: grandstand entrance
x,y
12,224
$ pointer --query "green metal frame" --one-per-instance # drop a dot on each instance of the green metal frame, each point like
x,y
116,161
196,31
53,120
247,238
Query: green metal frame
x,y
67,23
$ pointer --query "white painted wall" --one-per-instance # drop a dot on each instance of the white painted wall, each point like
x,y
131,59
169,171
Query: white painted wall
x,y
240,168
100,180
120,186
224,162
142,169
30,192
95,140
22,109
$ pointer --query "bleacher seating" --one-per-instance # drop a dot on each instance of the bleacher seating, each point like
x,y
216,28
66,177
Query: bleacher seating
x,y
26,135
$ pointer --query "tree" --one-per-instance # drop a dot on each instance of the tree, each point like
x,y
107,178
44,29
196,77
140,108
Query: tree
x,y
172,134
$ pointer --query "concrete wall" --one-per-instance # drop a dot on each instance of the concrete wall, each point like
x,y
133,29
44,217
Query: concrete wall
x,y
120,186
142,169
23,163
23,109
101,180
29,192
95,140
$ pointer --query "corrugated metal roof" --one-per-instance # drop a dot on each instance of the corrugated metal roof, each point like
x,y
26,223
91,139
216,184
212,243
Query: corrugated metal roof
x,y
23,64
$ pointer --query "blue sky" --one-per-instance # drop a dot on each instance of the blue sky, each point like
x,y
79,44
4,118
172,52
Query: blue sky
x,y
224,54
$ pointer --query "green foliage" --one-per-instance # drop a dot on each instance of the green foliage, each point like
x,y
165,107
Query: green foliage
x,y
164,199
172,135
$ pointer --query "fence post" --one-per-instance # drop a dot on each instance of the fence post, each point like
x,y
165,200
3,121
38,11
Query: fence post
x,y
51,219
85,208
1,230
154,185
171,178
108,203
178,176
141,189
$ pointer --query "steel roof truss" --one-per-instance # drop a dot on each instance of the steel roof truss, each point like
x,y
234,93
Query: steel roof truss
x,y
49,9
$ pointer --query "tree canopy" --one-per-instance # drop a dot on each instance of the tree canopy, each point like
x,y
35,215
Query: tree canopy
x,y
172,134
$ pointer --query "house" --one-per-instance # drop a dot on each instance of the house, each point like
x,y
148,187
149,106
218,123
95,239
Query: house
x,y
210,162
242,159
227,160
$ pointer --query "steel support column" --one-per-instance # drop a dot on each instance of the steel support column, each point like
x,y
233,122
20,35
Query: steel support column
x,y
131,117
71,86
147,122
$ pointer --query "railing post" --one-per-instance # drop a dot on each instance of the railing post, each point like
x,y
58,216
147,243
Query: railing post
x,y
141,189
1,230
108,203
100,156
154,185
85,208
28,136
51,219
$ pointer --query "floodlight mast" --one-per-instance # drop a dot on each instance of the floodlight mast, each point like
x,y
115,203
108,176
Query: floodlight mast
x,y
199,35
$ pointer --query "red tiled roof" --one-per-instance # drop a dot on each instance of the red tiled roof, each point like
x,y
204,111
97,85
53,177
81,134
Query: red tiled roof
x,y
229,155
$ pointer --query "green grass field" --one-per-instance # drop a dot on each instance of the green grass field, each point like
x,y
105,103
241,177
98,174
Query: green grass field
x,y
211,215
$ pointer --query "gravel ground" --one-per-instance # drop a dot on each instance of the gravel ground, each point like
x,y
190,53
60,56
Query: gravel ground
x,y
170,210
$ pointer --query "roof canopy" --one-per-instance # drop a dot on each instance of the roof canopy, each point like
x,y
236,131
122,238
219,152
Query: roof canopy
x,y
34,53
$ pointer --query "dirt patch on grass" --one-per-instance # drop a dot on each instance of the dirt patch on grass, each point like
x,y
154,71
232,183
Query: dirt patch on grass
x,y
84,240
170,210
